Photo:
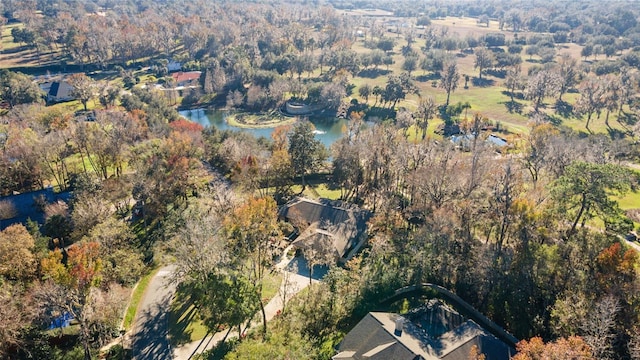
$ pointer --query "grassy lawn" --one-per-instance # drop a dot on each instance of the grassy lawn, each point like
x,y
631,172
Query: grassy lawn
x,y
135,299
7,40
488,100
185,325
630,201
317,189
19,55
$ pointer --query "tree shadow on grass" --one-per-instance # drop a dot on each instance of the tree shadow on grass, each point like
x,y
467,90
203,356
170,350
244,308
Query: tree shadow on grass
x,y
516,95
182,314
513,107
427,77
628,119
482,82
616,134
499,73
554,119
373,73
564,109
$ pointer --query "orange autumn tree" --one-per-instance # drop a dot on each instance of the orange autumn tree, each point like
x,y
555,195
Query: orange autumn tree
x,y
572,348
69,286
617,272
476,354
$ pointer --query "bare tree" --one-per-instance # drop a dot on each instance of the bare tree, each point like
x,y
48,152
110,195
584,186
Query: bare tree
x,y
426,111
198,245
598,327
568,71
514,81
317,254
634,343
16,314
449,79
591,102
543,84
288,287
484,60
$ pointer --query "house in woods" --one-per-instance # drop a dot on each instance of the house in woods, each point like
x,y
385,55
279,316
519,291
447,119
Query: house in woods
x,y
433,331
333,228
58,91
18,208
186,79
464,142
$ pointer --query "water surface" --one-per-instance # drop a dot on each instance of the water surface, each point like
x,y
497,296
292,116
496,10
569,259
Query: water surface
x,y
328,130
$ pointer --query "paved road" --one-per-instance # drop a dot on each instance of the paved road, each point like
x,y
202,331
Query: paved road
x,y
150,335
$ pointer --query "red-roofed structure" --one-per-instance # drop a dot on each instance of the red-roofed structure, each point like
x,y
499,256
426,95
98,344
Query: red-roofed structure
x,y
186,79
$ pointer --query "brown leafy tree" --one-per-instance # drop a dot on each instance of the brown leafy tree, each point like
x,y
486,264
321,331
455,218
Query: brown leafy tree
x,y
562,349
69,288
83,88
17,259
253,231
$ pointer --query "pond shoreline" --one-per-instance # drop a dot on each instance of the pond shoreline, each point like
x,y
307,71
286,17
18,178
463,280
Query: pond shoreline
x,y
328,130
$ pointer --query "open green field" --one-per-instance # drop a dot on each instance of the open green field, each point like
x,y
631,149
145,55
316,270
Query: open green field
x,y
630,201
317,189
20,55
492,100
7,40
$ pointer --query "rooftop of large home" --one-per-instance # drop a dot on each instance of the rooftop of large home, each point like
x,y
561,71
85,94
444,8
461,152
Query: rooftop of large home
x,y
431,332
333,227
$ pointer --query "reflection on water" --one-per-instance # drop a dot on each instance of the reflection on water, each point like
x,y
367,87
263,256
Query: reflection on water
x,y
327,130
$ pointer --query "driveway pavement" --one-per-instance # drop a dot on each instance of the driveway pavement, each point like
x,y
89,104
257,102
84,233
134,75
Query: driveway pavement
x,y
149,338
150,335
295,278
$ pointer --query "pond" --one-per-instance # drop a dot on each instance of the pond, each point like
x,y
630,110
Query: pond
x,y
327,130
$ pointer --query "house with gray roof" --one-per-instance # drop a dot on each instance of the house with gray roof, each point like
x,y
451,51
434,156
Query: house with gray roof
x,y
335,228
58,91
434,331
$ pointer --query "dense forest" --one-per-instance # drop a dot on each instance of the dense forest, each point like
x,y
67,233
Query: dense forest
x,y
537,231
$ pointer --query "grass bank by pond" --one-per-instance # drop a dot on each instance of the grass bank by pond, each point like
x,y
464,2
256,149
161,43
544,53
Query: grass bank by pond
x,y
249,120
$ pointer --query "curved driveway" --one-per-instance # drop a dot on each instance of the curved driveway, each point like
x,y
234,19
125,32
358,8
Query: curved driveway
x,y
150,333
149,337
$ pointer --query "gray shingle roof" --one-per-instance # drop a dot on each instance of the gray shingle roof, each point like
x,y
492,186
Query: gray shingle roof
x,y
334,226
371,333
434,331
